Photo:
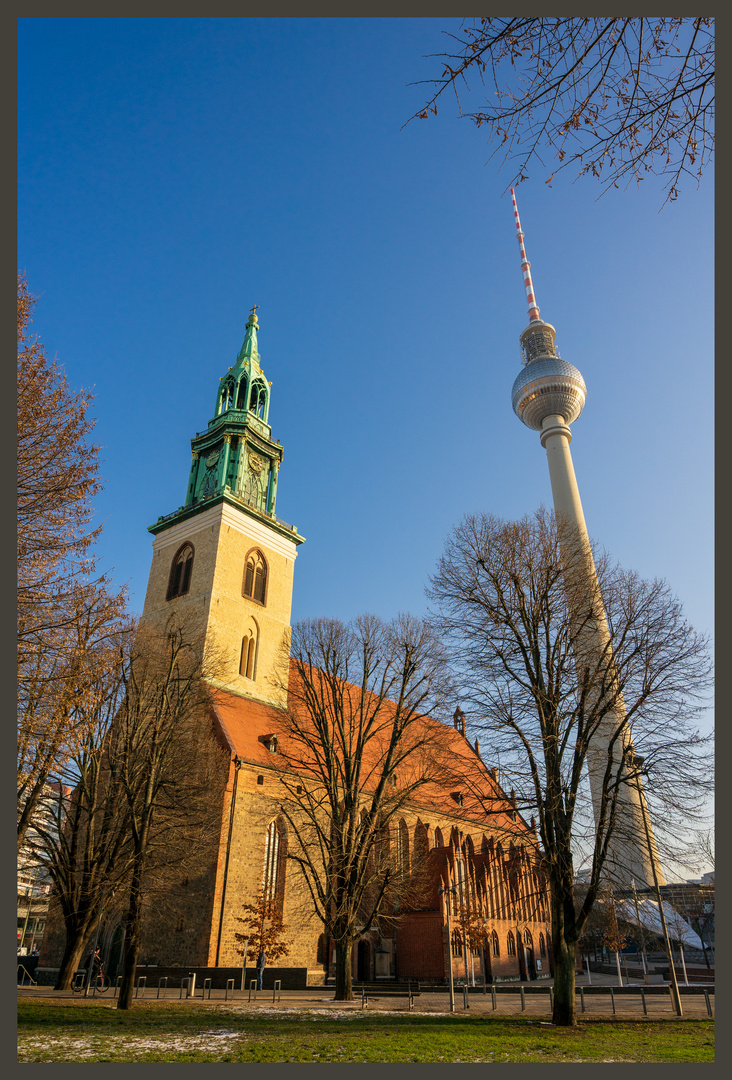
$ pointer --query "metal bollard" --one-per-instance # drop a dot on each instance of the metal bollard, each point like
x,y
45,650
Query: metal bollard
x,y
612,1000
493,996
709,1004
253,986
411,999
363,996
141,984
192,984
206,985
117,985
523,1000
277,990
466,1003
162,980
229,986
643,1002
582,998
184,984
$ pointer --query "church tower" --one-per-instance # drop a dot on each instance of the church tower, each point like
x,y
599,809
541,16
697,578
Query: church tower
x,y
223,561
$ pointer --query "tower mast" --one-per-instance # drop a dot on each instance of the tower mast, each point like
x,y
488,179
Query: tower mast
x,y
548,395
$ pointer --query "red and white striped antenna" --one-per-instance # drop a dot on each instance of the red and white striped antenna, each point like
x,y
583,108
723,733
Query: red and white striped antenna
x,y
525,265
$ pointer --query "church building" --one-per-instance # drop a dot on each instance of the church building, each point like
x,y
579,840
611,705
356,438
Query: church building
x,y
225,560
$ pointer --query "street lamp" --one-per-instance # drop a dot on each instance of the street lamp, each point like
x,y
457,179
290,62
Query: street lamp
x,y
451,891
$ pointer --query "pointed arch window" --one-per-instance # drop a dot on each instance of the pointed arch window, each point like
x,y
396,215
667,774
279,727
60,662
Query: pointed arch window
x,y
249,643
274,858
402,847
511,944
258,400
179,581
255,577
439,842
241,397
495,947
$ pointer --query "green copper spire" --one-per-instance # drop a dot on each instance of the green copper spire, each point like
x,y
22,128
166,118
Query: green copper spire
x,y
235,459
249,351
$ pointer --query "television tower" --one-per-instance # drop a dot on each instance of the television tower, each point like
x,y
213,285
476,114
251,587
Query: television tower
x,y
548,395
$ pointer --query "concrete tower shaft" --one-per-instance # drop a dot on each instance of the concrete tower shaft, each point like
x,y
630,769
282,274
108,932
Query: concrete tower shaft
x,y
548,395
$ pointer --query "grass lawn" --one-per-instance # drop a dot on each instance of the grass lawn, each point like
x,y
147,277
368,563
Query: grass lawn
x,y
167,1031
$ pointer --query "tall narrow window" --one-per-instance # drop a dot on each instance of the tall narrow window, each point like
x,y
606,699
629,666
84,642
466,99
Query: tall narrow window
x,y
511,944
402,847
495,947
255,577
248,660
179,581
275,855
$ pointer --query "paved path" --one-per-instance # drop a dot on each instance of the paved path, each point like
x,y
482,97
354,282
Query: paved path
x,y
536,1005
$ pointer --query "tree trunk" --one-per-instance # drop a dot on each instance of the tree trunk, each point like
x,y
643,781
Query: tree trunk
x,y
71,960
132,942
564,1014
343,985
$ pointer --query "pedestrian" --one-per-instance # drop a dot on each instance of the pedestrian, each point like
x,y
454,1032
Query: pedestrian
x,y
261,964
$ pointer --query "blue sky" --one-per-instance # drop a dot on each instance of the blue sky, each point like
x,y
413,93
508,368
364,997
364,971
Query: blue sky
x,y
173,172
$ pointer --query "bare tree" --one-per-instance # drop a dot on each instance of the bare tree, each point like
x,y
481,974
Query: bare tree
x,y
163,756
82,839
617,98
506,602
64,611
358,742
61,677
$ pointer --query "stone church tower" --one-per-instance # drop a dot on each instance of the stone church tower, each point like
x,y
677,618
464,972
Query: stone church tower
x,y
223,559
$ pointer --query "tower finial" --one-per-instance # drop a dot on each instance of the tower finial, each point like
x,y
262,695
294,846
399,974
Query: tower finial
x,y
525,265
249,349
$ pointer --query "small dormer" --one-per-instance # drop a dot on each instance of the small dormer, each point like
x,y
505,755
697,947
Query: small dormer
x,y
270,741
458,797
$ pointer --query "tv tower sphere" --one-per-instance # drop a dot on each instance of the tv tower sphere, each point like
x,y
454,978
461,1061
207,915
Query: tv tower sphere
x,y
548,386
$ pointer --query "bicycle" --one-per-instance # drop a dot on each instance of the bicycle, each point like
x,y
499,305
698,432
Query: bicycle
x,y
100,983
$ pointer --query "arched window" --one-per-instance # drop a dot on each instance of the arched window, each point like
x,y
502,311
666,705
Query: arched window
x,y
248,659
439,842
274,858
542,945
258,399
528,940
241,397
180,572
495,947
511,944
255,577
402,847
421,842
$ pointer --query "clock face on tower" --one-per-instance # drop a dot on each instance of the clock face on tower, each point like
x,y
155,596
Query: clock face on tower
x,y
208,487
